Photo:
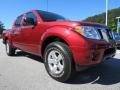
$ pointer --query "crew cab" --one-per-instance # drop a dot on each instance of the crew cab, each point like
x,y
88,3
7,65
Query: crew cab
x,y
65,46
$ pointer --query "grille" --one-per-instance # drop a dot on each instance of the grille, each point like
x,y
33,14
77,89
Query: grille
x,y
105,34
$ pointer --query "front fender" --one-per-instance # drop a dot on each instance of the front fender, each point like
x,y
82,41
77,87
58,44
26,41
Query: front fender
x,y
56,31
72,38
59,32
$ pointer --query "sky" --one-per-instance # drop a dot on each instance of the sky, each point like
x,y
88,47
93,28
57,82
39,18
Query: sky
x,y
71,9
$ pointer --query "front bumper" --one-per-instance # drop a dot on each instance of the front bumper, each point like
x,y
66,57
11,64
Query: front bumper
x,y
93,53
118,44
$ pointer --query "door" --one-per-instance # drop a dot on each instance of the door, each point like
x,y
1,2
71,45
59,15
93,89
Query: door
x,y
30,32
16,32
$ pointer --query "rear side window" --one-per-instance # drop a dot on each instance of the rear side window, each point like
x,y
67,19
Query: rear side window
x,y
18,21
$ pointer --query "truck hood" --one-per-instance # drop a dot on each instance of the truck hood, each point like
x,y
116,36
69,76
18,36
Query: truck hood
x,y
74,23
90,24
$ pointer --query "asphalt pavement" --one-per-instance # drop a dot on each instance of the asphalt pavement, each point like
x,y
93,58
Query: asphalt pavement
x,y
27,72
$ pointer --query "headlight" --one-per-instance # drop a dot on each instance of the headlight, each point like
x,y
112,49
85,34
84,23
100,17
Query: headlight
x,y
88,32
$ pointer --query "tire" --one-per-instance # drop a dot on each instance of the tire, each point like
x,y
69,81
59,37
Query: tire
x,y
118,48
58,61
9,50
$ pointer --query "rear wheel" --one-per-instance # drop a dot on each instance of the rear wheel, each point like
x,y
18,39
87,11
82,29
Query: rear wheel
x,y
9,50
58,61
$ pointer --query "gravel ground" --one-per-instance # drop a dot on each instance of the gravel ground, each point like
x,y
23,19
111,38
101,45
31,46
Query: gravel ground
x,y
27,72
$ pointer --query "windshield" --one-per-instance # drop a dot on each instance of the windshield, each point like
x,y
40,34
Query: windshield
x,y
48,16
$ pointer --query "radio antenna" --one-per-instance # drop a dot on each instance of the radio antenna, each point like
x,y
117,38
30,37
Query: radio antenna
x,y
47,5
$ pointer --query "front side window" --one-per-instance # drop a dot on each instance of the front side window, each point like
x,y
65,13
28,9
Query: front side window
x,y
18,21
31,18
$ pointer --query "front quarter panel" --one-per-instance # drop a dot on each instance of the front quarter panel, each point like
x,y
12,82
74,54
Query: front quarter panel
x,y
69,36
61,32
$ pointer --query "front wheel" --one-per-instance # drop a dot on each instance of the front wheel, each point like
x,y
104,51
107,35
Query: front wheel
x,y
58,61
9,50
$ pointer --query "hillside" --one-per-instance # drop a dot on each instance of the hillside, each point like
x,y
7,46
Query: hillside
x,y
100,18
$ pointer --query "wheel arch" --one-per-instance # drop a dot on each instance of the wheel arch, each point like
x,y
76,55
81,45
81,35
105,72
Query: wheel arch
x,y
51,39
5,40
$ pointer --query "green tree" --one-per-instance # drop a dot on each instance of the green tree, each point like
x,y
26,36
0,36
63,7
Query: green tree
x,y
1,27
100,18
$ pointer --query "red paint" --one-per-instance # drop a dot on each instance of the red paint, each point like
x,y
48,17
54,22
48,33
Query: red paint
x,y
31,39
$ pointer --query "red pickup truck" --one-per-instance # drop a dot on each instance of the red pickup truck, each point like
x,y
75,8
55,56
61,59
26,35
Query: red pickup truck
x,y
64,45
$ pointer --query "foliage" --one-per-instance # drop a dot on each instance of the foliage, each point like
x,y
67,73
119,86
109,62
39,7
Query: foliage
x,y
1,27
100,18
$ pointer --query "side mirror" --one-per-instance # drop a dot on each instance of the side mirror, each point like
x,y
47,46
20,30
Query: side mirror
x,y
29,21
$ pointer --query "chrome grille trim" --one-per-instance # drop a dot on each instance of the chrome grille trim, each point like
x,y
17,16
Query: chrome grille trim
x,y
105,34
